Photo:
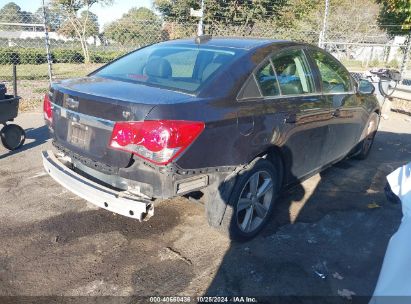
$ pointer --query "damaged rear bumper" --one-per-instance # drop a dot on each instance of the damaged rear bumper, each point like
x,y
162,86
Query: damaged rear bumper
x,y
99,195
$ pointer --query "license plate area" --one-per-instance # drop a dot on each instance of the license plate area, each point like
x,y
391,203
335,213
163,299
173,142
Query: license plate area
x,y
79,135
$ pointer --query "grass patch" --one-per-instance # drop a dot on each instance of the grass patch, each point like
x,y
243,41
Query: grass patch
x,y
40,71
353,65
33,80
40,90
358,65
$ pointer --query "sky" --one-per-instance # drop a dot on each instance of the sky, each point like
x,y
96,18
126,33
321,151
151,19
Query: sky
x,y
105,14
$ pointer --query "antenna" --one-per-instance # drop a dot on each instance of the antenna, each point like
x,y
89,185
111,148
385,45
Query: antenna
x,y
202,39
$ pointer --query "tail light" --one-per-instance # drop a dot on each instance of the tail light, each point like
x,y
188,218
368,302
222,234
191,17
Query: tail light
x,y
159,141
47,108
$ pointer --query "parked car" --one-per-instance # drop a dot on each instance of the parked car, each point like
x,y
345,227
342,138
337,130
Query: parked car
x,y
234,120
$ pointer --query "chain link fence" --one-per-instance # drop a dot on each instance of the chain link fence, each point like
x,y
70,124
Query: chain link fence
x,y
22,42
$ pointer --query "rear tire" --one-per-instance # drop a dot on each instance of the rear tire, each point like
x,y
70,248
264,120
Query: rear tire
x,y
252,200
364,147
12,137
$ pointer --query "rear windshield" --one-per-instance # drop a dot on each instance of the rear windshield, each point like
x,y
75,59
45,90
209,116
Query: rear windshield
x,y
181,68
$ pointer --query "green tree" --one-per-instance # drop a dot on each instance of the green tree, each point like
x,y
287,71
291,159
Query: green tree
x,y
54,18
139,26
12,13
80,22
243,14
395,16
303,20
88,19
176,10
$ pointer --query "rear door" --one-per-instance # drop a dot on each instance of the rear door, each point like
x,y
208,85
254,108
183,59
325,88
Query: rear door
x,y
348,113
296,106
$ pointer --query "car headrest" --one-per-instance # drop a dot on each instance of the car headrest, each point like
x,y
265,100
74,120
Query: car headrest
x,y
290,70
158,67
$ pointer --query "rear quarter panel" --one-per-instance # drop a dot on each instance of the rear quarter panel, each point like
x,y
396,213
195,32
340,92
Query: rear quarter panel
x,y
220,144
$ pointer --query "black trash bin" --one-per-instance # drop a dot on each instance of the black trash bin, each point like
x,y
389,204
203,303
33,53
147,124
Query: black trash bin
x,y
12,136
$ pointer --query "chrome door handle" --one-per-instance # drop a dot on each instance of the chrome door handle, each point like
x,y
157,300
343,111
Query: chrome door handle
x,y
291,118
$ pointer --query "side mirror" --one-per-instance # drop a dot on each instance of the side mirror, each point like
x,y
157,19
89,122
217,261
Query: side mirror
x,y
365,87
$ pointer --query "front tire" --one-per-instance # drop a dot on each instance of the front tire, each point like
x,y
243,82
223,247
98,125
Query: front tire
x,y
364,147
252,200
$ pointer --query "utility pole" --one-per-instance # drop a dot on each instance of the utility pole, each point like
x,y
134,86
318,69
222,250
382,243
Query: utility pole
x,y
200,14
200,29
321,39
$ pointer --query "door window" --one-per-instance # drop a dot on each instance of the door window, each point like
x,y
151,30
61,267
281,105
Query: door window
x,y
293,73
267,81
334,77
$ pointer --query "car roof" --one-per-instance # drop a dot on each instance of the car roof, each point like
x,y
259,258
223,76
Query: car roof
x,y
231,42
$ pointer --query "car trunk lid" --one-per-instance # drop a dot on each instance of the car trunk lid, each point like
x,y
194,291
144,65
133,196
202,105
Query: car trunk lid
x,y
86,109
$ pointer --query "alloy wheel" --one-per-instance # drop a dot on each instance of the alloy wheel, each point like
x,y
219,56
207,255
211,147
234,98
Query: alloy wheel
x,y
255,201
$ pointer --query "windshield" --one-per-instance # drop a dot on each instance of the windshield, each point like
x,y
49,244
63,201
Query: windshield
x,y
183,68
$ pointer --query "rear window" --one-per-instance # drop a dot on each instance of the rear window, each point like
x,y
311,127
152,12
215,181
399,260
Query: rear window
x,y
182,68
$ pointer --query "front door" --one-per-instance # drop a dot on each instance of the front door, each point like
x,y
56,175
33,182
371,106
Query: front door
x,y
338,90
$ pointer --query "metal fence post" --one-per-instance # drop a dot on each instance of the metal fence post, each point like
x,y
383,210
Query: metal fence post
x,y
321,39
406,55
14,80
47,41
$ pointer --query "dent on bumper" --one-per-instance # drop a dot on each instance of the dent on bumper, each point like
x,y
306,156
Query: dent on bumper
x,y
99,195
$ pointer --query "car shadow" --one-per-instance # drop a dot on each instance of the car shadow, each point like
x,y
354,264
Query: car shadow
x,y
327,238
38,136
105,245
